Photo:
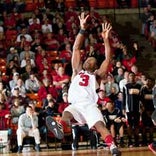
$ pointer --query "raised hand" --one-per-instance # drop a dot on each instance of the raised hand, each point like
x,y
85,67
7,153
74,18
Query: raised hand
x,y
106,27
83,21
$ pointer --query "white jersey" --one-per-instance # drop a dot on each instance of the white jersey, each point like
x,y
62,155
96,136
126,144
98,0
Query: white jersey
x,y
82,90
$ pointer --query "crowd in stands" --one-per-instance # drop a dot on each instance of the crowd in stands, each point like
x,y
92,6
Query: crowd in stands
x,y
37,49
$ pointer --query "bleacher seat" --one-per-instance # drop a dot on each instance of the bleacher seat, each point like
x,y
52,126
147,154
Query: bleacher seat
x,y
34,97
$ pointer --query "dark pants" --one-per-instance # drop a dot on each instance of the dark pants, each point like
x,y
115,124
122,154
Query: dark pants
x,y
87,134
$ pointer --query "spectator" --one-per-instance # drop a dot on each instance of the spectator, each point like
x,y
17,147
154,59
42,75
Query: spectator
x,y
119,76
27,50
59,80
47,88
4,117
25,34
13,82
27,60
147,110
20,85
124,81
4,91
15,95
144,18
51,42
50,108
22,22
35,26
32,84
46,27
16,110
114,121
28,126
152,36
31,19
131,106
12,54
110,84
45,101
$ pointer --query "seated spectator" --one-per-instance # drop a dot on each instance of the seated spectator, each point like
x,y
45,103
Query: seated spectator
x,y
22,22
16,110
27,50
36,45
50,108
55,68
51,42
114,94
15,94
25,34
128,62
47,88
41,118
13,82
12,53
11,68
59,80
20,86
9,21
32,84
102,99
42,61
25,72
4,116
119,101
61,37
118,65
119,76
109,85
64,103
35,26
45,101
45,75
20,45
46,27
27,60
31,19
4,91
28,126
114,121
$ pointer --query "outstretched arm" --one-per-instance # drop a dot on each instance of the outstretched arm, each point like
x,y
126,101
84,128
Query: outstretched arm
x,y
76,56
106,27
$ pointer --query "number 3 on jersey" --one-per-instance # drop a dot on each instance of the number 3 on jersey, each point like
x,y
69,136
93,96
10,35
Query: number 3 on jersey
x,y
84,80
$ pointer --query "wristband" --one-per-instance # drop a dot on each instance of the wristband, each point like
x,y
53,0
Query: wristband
x,y
82,31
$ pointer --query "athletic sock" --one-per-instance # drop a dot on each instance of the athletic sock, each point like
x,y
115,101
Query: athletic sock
x,y
109,140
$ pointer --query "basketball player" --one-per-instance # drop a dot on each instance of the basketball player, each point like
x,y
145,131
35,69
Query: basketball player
x,y
82,91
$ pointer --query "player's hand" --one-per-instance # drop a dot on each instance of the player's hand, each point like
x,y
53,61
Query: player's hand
x,y
83,21
117,120
106,27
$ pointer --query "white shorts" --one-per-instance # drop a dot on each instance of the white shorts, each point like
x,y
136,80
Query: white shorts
x,y
88,114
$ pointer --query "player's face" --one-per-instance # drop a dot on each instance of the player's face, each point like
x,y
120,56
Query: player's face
x,y
90,64
131,77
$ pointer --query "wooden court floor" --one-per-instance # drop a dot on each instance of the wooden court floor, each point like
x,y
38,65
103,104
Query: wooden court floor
x,y
140,151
